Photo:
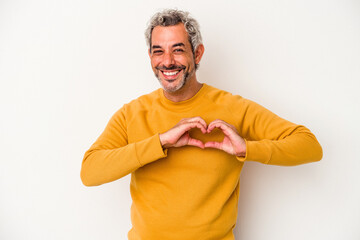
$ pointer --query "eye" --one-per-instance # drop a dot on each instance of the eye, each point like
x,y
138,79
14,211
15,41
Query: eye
x,y
179,50
157,52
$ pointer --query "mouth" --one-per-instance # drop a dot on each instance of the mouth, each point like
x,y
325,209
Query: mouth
x,y
171,74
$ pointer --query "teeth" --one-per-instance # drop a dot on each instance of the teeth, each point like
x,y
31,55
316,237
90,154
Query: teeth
x,y
170,73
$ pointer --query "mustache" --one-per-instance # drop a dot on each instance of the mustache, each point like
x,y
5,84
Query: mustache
x,y
172,67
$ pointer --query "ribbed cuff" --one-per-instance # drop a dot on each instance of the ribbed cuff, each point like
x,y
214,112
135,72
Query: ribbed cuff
x,y
256,151
149,150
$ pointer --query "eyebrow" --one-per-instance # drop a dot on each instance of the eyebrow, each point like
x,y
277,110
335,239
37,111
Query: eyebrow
x,y
178,45
175,45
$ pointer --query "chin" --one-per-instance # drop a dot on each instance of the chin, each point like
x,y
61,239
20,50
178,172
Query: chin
x,y
177,84
171,88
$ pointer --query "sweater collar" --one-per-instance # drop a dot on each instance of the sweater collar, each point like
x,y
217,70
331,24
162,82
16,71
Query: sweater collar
x,y
183,105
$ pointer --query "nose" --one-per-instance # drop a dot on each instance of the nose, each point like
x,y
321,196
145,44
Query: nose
x,y
168,59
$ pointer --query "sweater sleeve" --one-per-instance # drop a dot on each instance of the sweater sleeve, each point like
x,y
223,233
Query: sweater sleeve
x,y
276,141
112,157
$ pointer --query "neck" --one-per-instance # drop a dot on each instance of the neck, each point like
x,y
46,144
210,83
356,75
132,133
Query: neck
x,y
186,92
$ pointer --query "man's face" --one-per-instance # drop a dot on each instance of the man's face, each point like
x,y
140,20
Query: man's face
x,y
171,57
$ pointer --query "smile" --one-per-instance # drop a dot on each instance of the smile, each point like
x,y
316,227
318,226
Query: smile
x,y
170,73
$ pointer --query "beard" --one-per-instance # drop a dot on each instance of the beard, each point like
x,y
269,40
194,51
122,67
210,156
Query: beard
x,y
186,76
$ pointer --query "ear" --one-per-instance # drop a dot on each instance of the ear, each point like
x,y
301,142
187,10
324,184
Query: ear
x,y
149,52
198,53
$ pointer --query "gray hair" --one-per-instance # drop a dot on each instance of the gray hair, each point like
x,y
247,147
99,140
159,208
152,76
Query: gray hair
x,y
171,17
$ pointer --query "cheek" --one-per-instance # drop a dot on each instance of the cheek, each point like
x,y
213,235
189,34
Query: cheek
x,y
154,63
154,60
185,61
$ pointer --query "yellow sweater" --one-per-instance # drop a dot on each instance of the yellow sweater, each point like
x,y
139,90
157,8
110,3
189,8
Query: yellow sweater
x,y
189,193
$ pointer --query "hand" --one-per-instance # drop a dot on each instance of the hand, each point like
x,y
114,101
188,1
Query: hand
x,y
232,143
178,136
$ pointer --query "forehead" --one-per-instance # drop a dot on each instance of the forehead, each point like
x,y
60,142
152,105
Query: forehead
x,y
169,35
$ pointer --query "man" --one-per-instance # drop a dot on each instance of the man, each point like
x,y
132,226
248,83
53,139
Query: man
x,y
185,144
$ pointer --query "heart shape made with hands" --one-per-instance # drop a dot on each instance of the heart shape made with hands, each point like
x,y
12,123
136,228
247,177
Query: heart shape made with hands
x,y
222,136
216,135
195,132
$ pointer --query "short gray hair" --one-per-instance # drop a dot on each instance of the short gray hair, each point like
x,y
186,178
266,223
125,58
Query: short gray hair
x,y
171,17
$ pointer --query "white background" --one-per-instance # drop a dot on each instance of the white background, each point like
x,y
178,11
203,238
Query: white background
x,y
66,66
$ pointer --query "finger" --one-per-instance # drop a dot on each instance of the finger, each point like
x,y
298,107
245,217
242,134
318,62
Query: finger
x,y
222,126
199,120
219,121
196,143
213,124
191,125
225,127
216,145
